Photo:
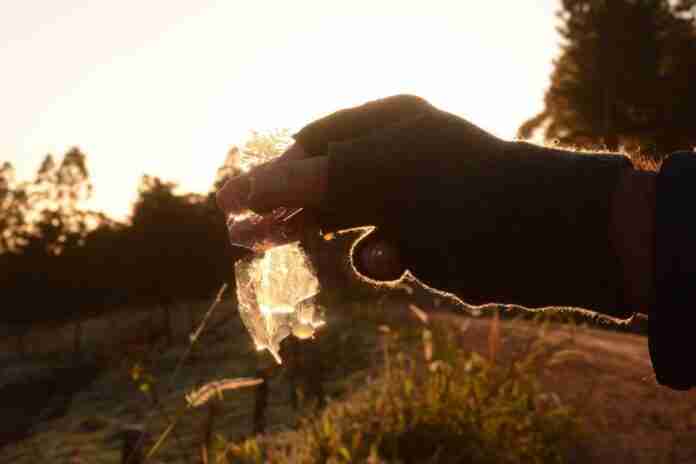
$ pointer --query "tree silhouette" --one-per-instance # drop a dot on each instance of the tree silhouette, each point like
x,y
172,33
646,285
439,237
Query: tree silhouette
x,y
622,77
55,215
44,230
13,206
179,243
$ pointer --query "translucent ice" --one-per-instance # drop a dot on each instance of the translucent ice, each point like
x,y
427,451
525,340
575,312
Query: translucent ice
x,y
274,291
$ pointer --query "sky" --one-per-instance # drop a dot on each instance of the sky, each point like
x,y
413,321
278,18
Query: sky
x,y
167,87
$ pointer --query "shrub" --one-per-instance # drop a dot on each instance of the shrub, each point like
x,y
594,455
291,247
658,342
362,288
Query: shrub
x,y
430,402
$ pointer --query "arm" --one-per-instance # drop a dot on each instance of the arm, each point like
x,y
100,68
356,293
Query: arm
x,y
497,221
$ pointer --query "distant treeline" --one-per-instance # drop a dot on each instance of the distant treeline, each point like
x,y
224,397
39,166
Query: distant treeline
x,y
62,266
59,261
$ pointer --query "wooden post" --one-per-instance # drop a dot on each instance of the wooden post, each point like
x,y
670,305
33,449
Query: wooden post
x,y
261,401
133,437
293,366
312,372
207,441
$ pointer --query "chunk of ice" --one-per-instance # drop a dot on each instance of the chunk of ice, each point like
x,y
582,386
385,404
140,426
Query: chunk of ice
x,y
274,292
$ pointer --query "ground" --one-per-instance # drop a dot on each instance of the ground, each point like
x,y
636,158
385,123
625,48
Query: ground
x,y
607,377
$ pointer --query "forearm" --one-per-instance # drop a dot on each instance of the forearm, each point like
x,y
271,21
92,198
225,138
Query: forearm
x,y
632,235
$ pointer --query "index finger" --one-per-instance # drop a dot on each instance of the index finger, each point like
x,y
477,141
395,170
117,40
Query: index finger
x,y
293,153
296,183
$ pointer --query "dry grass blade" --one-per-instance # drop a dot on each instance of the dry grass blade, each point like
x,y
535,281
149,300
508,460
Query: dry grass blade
x,y
194,336
160,440
427,345
202,395
419,313
569,355
494,337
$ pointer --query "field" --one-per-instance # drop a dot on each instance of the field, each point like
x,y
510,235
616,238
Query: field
x,y
589,395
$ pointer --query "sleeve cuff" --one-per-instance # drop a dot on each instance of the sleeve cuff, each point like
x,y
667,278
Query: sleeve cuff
x,y
672,319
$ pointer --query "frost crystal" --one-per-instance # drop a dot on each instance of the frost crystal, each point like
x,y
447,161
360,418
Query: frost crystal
x,y
274,291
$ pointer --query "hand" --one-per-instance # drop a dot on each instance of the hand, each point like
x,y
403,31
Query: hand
x,y
292,180
303,184
486,219
303,178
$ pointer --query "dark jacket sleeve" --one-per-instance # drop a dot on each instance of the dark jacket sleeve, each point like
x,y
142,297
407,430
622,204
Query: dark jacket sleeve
x,y
672,319
488,220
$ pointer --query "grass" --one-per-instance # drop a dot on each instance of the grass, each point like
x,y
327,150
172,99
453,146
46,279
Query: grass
x,y
396,389
98,412
430,401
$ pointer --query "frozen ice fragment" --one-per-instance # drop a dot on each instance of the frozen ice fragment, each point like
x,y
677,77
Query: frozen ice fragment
x,y
274,291
302,331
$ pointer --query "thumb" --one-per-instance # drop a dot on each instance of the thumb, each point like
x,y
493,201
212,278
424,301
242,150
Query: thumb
x,y
298,183
377,258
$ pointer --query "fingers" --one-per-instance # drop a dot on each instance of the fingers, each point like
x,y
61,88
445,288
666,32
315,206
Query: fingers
x,y
233,195
236,194
294,183
293,153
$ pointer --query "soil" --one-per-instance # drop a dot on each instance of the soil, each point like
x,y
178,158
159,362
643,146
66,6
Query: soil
x,y
628,417
40,397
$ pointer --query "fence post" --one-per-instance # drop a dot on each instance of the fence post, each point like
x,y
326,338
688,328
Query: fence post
x,y
293,366
261,401
207,441
133,444
313,373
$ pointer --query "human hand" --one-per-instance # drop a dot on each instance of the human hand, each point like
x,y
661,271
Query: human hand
x,y
303,176
465,212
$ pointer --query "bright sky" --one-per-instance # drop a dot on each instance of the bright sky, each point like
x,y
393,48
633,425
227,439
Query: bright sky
x,y
166,87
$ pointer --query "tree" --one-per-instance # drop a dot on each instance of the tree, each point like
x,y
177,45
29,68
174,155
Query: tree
x,y
13,206
622,77
56,216
177,244
43,230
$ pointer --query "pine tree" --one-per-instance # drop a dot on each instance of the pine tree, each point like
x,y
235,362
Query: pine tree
x,y
621,79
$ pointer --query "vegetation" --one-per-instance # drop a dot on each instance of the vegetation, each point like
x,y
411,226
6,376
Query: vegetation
x,y
584,395
623,78
441,403
373,382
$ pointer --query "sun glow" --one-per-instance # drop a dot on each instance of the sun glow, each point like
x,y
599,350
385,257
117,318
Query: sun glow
x,y
189,80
